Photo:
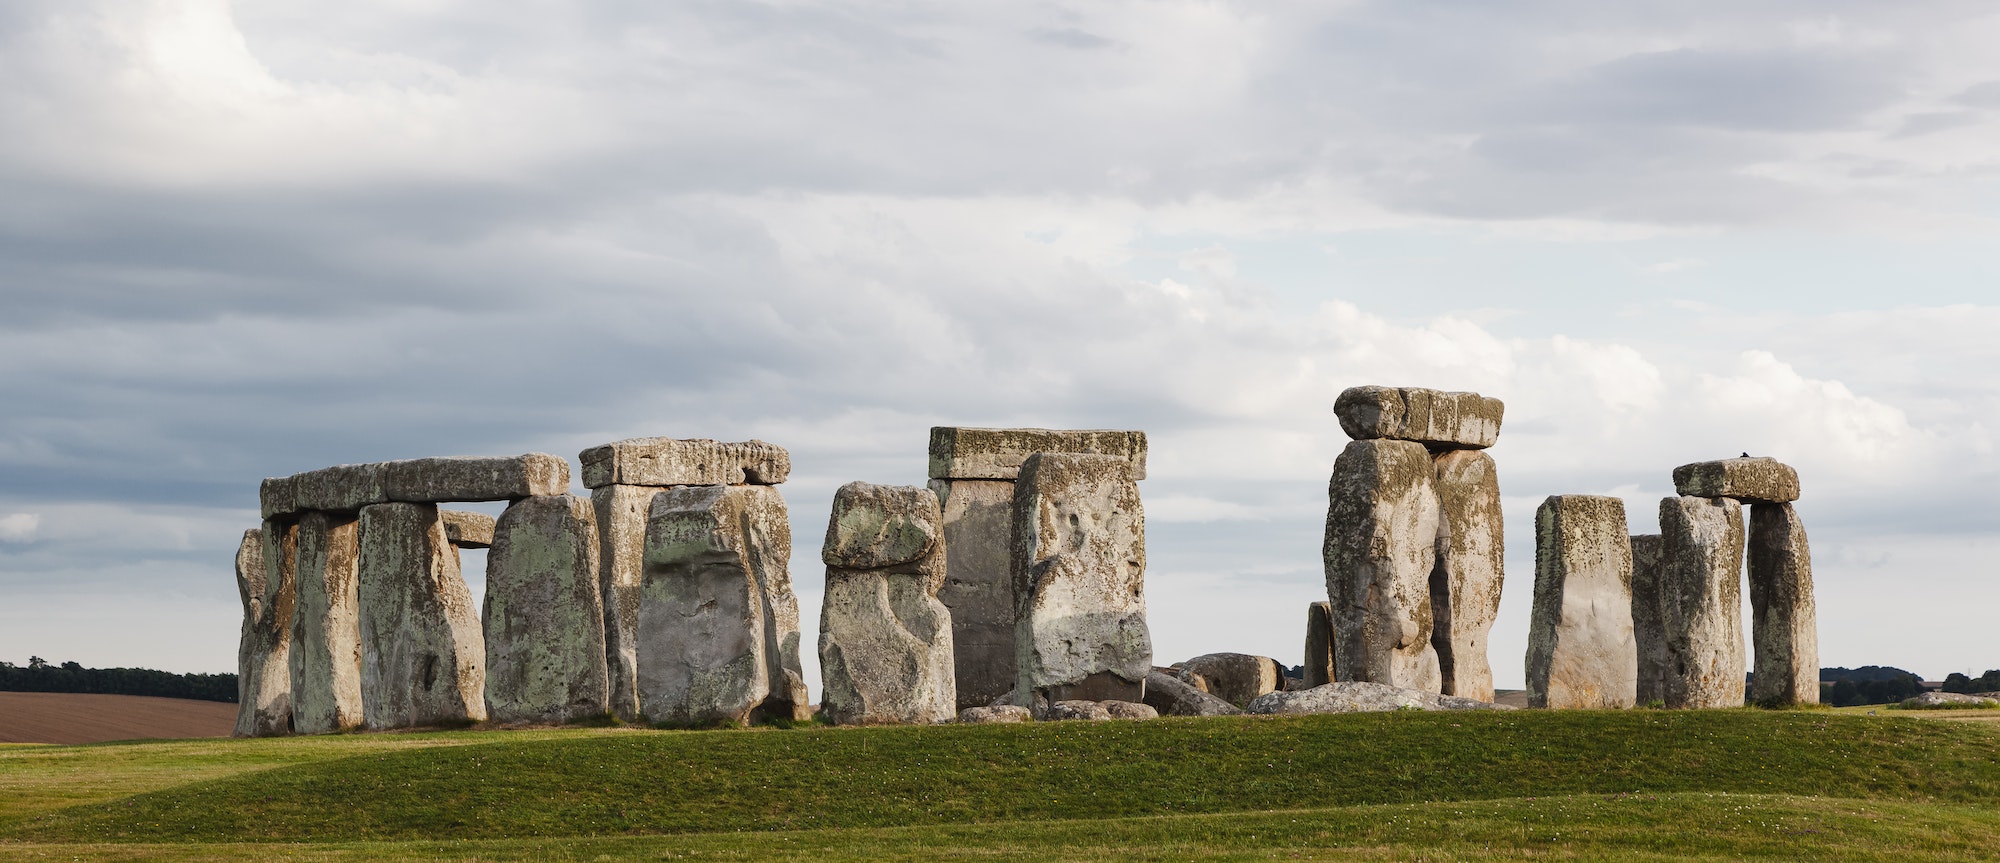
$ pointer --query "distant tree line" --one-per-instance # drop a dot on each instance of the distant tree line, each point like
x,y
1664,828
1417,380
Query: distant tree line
x,y
1988,682
39,676
1869,684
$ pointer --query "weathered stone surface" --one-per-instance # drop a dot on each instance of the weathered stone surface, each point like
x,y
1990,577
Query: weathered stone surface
x,y
1946,701
473,478
979,586
995,713
621,512
971,453
1318,666
1750,479
884,638
1784,622
1357,696
544,618
1381,545
467,529
1128,710
1172,696
1237,677
1468,575
1058,711
1701,600
342,488
1581,653
1649,627
265,581
325,656
1079,566
1439,419
278,497
718,633
423,657
663,461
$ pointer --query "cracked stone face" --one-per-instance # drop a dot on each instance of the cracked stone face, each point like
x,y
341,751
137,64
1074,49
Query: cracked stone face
x,y
1440,420
1469,572
1701,577
885,642
1380,549
1784,624
544,617
1581,652
423,655
1079,568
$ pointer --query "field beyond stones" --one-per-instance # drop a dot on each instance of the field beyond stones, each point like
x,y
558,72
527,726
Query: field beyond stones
x,y
1540,785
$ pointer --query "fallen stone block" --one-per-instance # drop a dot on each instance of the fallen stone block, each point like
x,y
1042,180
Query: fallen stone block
x,y
1237,677
884,638
265,582
1059,711
1172,696
467,529
1318,668
1128,710
1466,580
1649,626
973,453
661,461
718,631
1748,479
1079,565
325,655
344,488
544,617
979,585
995,713
621,512
1445,420
1357,696
1784,623
1381,546
1581,653
1701,577
423,657
475,478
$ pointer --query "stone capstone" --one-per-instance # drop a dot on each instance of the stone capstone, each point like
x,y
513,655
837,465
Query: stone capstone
x,y
995,713
1380,549
974,453
1237,677
265,584
1172,696
1357,696
1469,572
278,497
1079,567
1749,479
1059,711
342,488
1581,653
621,512
423,657
475,478
325,656
718,630
663,461
1701,600
467,529
978,586
884,638
1784,624
1445,420
544,617
1318,668
1649,627
1128,710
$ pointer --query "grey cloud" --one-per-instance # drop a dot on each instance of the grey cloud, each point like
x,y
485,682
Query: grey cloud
x,y
1071,37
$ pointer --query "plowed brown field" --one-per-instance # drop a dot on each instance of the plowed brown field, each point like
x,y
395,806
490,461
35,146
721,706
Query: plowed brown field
x,y
62,717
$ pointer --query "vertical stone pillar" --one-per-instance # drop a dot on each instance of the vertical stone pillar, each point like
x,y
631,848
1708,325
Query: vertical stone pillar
x,y
1649,627
1701,575
1380,549
1079,571
544,618
1466,580
325,655
1319,645
621,537
718,630
423,656
1783,621
265,581
884,638
1581,652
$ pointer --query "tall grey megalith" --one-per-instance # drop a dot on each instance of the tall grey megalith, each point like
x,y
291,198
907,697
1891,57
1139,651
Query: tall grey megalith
x,y
885,646
1318,668
1649,626
544,618
325,655
1784,623
1701,600
1079,573
1469,572
1581,652
1380,550
423,655
265,581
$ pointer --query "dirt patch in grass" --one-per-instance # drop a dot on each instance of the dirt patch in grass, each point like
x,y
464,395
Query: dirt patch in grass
x,y
67,717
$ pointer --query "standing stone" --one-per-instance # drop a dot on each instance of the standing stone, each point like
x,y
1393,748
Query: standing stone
x,y
978,589
1783,622
423,657
1381,545
1439,419
1649,626
264,581
1237,677
1318,669
325,656
1079,565
718,630
1581,653
621,551
544,619
1466,581
884,638
1701,576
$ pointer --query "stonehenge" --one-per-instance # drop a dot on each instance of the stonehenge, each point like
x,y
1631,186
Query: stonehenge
x,y
423,656
1581,652
885,647
1701,600
325,651
1079,575
1783,625
1236,677
1318,667
264,582
973,472
1649,628
1466,580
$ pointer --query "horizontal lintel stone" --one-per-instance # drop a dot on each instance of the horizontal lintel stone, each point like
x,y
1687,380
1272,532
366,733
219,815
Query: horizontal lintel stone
x,y
1756,479
467,529
475,478
663,461
1451,420
979,453
278,496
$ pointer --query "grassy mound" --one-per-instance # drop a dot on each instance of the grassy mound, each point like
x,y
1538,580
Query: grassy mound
x,y
619,783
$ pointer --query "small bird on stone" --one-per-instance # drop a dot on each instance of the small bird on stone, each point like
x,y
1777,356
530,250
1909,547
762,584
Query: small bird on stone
x,y
1746,455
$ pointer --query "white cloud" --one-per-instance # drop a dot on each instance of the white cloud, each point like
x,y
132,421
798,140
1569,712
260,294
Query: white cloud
x,y
19,526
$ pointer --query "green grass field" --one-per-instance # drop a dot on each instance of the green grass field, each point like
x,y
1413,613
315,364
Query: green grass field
x,y
1631,785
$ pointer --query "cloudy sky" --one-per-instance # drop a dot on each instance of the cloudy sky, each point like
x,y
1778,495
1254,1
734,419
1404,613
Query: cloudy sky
x,y
248,239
